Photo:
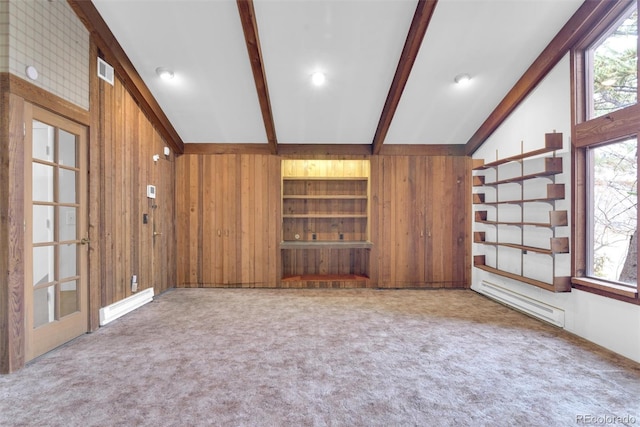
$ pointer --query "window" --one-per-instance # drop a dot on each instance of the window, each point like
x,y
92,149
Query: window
x,y
605,166
612,66
613,212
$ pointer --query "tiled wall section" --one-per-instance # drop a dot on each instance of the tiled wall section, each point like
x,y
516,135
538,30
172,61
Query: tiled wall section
x,y
48,35
4,36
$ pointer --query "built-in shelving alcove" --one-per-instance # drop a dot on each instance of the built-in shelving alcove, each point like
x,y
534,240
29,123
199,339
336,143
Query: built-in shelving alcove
x,y
325,223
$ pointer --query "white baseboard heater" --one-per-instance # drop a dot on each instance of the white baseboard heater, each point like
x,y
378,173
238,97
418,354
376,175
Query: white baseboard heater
x,y
122,307
523,303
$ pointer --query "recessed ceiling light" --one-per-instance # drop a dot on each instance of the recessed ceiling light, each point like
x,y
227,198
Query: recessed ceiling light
x,y
462,79
318,78
164,73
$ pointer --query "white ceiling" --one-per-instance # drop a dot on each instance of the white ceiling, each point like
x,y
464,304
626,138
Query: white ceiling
x,y
357,43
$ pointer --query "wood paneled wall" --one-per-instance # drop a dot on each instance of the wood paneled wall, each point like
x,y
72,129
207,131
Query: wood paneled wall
x,y
228,220
122,245
229,228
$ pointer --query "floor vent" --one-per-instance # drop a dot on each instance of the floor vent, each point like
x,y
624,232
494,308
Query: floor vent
x,y
120,308
523,303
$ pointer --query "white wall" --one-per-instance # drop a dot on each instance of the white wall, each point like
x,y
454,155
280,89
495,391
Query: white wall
x,y
607,322
49,36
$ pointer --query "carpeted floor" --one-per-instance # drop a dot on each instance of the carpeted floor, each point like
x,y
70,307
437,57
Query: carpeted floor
x,y
249,357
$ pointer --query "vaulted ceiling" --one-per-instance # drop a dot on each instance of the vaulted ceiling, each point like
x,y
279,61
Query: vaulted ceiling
x,y
243,68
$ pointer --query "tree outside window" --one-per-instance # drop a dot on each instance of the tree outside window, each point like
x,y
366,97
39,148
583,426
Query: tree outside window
x,y
614,67
614,211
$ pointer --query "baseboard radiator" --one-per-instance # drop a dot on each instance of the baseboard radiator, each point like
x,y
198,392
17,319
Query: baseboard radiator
x,y
523,303
127,305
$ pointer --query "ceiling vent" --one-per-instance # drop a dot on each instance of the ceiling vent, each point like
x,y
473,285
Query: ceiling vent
x,y
105,71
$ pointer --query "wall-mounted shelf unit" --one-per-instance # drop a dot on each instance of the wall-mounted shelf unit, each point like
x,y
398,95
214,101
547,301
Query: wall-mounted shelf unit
x,y
502,206
325,222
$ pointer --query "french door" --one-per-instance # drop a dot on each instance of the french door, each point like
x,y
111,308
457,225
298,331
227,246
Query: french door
x,y
56,245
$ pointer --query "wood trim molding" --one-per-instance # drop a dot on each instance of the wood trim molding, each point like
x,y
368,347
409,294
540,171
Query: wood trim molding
x,y
12,327
580,24
423,150
250,29
38,96
615,125
327,149
222,148
95,191
421,19
324,149
116,56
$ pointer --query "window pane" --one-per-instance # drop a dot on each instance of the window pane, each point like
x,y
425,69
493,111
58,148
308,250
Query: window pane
x,y
67,189
67,224
42,224
614,212
67,149
42,183
68,298
44,301
613,68
43,262
43,141
68,261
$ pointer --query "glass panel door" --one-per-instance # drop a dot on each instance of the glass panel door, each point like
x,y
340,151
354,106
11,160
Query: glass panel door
x,y
55,228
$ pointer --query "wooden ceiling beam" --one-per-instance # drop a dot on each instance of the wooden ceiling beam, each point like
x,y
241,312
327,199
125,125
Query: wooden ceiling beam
x,y
116,56
578,26
250,29
417,30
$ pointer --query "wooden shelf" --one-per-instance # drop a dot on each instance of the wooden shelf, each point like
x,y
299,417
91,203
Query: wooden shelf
x,y
325,278
325,244
325,196
325,223
552,142
324,178
560,284
557,245
556,219
553,166
554,192
324,216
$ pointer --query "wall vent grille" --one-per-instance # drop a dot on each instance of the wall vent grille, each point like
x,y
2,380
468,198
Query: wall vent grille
x,y
105,71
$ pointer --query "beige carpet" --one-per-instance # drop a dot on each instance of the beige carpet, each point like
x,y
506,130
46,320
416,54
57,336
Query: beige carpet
x,y
249,357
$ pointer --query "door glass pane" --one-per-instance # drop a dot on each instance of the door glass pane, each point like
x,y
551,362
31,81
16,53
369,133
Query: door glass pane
x,y
43,141
44,303
43,259
43,221
67,190
68,261
68,298
67,147
67,224
42,183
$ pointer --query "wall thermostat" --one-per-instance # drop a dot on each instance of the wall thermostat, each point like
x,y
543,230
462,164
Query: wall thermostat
x,y
151,191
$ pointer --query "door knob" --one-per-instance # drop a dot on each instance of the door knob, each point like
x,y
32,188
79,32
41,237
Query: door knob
x,y
157,233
